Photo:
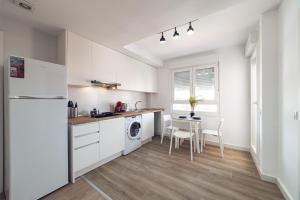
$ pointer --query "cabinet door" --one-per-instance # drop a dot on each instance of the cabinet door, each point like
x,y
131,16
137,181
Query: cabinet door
x,y
147,126
132,74
84,146
103,63
150,81
112,137
78,60
128,75
85,156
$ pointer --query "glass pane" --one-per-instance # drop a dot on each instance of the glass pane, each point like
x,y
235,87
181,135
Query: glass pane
x,y
182,84
205,83
207,108
134,129
199,107
182,107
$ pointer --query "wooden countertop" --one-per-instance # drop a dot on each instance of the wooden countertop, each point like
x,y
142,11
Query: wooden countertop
x,y
87,119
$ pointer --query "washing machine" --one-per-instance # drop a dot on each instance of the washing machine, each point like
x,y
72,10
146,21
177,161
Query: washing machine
x,y
133,133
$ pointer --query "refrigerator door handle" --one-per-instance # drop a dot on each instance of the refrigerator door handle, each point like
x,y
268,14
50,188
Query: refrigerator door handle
x,y
36,97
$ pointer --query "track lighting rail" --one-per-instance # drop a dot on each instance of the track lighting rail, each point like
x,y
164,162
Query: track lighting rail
x,y
176,35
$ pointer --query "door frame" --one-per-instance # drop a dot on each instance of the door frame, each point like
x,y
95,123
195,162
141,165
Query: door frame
x,y
255,151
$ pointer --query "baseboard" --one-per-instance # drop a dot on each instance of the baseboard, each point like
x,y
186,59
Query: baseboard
x,y
146,141
2,196
157,133
272,179
229,146
283,190
254,157
266,177
263,176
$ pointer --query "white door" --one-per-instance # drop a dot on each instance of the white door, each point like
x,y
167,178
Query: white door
x,y
37,147
254,104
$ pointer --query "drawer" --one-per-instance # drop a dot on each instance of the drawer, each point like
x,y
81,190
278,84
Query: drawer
x,y
83,129
86,156
83,140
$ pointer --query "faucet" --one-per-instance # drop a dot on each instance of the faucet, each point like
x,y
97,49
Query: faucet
x,y
136,103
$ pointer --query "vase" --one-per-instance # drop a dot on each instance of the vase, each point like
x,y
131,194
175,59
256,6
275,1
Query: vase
x,y
192,113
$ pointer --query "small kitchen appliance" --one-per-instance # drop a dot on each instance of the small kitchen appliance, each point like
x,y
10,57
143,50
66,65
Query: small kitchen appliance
x,y
120,107
124,107
97,114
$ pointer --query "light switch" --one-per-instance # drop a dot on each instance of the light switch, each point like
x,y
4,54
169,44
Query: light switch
x,y
296,115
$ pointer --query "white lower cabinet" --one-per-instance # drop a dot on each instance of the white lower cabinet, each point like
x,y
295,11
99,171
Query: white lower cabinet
x,y
84,147
93,144
147,126
86,156
112,137
86,140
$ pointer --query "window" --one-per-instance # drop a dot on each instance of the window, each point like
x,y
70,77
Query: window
x,y
201,82
182,85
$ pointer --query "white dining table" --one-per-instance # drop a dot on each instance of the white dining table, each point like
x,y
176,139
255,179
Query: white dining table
x,y
197,124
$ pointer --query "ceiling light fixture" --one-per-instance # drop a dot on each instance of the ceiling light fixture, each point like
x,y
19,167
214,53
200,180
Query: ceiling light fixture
x,y
176,35
190,30
162,39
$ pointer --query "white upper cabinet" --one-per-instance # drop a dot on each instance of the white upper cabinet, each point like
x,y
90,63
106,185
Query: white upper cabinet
x,y
87,60
136,76
150,79
78,59
103,66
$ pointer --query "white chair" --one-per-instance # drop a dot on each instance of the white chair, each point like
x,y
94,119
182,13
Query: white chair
x,y
215,133
180,134
167,127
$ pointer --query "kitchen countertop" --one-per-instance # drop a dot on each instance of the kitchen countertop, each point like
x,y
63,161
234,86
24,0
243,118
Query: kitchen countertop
x,y
87,119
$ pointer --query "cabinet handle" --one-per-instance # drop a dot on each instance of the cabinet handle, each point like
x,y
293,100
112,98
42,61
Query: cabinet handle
x,y
86,145
78,136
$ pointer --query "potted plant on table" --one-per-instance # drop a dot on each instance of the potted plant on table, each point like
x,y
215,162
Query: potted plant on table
x,y
193,102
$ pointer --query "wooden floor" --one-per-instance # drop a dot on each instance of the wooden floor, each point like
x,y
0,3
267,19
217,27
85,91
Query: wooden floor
x,y
150,173
80,190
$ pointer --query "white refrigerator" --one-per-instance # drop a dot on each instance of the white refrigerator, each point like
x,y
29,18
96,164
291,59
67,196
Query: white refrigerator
x,y
36,135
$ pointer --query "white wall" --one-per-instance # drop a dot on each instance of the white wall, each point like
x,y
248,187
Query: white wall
x,y
234,90
103,99
1,111
235,95
288,148
269,92
22,40
298,102
25,41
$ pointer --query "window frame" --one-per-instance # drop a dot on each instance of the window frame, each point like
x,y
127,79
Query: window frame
x,y
192,71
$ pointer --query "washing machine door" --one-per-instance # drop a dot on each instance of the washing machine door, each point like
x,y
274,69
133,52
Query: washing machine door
x,y
134,130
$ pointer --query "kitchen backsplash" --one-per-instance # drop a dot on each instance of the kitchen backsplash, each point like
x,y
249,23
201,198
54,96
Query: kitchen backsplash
x,y
103,99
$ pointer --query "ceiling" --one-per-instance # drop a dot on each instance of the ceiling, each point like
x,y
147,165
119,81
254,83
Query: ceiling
x,y
225,28
134,23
